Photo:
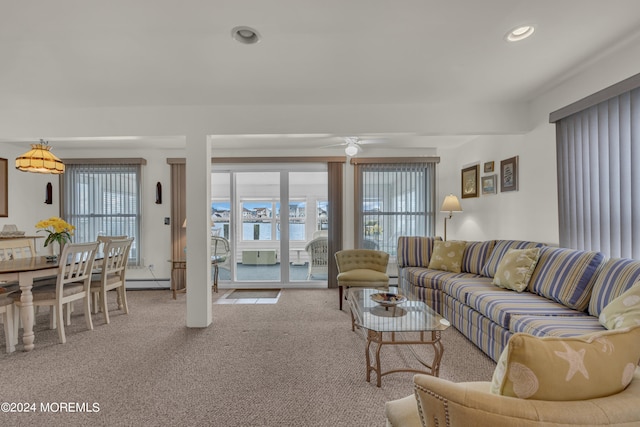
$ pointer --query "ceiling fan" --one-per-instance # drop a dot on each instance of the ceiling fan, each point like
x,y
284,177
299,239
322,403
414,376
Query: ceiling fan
x,y
353,144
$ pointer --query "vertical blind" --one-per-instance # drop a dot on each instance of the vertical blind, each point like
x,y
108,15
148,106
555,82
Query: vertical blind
x,y
598,153
395,199
103,199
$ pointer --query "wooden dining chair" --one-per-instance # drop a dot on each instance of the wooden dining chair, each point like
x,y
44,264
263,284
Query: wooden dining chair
x,y
112,276
16,248
72,284
102,242
6,313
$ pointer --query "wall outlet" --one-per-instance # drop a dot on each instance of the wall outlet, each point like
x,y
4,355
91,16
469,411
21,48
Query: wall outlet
x,y
151,266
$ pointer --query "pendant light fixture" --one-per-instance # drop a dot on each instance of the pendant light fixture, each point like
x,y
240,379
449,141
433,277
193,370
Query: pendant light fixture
x,y
40,160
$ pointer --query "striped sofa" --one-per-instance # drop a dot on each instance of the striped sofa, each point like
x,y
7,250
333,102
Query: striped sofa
x,y
566,293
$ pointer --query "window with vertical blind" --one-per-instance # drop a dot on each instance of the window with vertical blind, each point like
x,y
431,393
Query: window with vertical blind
x,y
102,197
395,197
598,153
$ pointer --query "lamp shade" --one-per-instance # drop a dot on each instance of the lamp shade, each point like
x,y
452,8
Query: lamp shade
x,y
451,204
39,160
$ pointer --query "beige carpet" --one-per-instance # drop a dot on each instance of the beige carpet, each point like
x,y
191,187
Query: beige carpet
x,y
294,363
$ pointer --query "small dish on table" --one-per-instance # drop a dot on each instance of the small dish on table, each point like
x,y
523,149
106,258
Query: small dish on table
x,y
386,299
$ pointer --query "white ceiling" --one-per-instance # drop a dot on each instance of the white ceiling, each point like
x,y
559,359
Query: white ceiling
x,y
73,53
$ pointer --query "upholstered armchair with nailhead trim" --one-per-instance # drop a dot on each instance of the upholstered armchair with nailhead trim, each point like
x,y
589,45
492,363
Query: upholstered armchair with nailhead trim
x,y
441,403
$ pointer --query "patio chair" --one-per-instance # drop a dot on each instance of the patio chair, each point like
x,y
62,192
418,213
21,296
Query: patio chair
x,y
318,250
220,256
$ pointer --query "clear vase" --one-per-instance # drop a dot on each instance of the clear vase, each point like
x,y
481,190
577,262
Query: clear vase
x,y
56,249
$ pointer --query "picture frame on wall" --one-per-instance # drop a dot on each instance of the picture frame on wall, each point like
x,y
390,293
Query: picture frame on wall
x,y
4,188
509,174
488,167
489,184
470,181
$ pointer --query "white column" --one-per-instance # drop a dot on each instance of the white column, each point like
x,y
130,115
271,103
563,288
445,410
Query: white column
x,y
198,231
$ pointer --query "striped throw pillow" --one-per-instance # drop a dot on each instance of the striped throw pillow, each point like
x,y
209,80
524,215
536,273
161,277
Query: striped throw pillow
x,y
475,256
500,248
566,276
616,276
415,251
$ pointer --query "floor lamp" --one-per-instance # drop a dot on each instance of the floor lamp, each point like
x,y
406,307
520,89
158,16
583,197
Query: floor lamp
x,y
451,204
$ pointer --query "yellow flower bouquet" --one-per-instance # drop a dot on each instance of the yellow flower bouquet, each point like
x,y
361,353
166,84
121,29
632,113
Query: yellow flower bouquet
x,y
59,230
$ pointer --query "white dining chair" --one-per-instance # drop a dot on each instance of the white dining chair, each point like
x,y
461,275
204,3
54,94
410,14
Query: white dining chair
x,y
112,275
6,313
72,284
16,248
102,242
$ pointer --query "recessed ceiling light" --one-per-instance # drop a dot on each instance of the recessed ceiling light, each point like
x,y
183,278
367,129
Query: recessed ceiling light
x,y
520,33
246,35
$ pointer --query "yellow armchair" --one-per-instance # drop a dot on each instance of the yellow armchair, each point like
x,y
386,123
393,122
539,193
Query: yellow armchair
x,y
365,268
438,402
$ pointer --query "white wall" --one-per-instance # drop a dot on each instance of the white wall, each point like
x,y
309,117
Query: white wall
x,y
530,213
527,214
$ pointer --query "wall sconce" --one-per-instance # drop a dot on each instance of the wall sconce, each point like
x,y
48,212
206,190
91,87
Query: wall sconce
x,y
158,194
48,197
451,204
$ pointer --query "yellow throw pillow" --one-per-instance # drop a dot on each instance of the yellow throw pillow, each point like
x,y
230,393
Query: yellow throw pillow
x,y
515,268
623,311
573,368
447,256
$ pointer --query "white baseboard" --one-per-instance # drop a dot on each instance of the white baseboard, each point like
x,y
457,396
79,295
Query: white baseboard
x,y
148,284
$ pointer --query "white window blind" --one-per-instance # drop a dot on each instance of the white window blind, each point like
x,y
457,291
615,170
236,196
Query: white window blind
x,y
598,153
103,199
396,199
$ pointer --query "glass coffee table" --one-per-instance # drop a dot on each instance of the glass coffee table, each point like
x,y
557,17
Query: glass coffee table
x,y
396,321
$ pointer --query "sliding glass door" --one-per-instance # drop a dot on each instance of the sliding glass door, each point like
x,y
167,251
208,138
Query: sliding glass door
x,y
258,206
308,226
269,217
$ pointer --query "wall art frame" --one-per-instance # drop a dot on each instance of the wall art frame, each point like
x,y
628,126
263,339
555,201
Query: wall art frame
x,y
4,188
489,184
488,167
509,174
470,178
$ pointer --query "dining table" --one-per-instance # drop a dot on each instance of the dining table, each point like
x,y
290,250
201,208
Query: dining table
x,y
24,271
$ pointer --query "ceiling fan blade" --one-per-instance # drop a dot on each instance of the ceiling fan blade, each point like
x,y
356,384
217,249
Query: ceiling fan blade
x,y
334,145
366,141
